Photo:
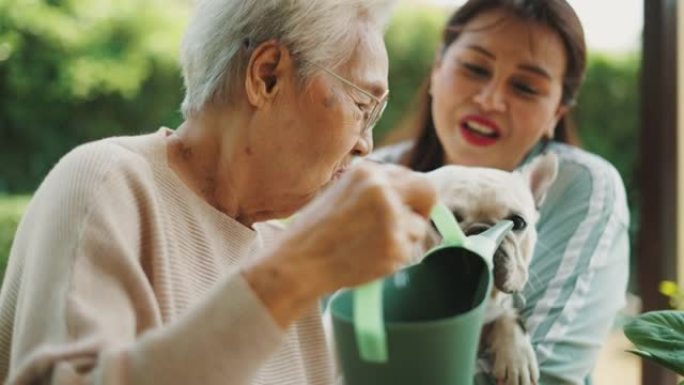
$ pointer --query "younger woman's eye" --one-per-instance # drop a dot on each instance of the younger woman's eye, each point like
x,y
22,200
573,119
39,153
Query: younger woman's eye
x,y
525,88
475,69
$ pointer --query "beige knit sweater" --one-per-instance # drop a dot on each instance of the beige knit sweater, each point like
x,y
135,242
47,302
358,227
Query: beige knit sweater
x,y
119,274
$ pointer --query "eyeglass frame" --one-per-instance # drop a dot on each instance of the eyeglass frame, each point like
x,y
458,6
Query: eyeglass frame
x,y
380,103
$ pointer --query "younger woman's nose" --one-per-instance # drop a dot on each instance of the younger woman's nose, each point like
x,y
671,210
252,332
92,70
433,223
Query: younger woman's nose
x,y
491,97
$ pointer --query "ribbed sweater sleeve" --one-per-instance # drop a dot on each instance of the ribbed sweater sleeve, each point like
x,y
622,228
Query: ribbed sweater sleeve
x,y
80,301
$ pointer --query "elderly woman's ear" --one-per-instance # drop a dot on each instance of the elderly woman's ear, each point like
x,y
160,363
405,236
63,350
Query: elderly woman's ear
x,y
269,66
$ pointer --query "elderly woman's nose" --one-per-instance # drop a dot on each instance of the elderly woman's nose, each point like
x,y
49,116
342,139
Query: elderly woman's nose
x,y
364,145
491,97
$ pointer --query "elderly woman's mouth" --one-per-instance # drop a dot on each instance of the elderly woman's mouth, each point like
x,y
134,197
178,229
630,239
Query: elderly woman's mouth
x,y
338,173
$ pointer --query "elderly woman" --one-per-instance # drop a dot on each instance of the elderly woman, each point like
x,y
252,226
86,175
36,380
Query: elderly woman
x,y
140,260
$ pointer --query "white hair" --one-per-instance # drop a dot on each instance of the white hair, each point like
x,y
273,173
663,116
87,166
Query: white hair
x,y
218,41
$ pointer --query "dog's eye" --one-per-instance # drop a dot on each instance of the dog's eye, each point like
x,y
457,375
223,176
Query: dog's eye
x,y
519,222
458,216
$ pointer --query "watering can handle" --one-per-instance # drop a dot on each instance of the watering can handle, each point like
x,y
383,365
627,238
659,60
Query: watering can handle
x,y
369,327
446,224
371,337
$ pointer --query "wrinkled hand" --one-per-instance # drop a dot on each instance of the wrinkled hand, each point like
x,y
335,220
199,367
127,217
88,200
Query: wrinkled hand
x,y
363,227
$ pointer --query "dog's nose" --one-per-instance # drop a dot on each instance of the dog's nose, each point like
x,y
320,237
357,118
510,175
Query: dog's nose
x,y
476,228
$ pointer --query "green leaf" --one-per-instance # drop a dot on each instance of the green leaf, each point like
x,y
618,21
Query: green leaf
x,y
640,353
659,336
651,357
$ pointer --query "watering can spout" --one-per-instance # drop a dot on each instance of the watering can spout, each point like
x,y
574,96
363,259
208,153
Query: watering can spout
x,y
368,317
487,242
497,232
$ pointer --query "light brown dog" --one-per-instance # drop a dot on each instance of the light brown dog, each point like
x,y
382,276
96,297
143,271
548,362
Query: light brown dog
x,y
480,197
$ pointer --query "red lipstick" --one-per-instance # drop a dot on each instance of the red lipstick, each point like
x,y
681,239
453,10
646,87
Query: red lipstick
x,y
479,131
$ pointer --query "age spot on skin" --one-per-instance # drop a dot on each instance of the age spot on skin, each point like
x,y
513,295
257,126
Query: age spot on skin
x,y
330,100
186,152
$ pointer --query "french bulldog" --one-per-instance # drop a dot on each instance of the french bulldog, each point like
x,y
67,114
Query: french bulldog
x,y
478,198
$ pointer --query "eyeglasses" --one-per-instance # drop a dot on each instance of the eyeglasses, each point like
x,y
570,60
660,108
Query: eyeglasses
x,y
379,104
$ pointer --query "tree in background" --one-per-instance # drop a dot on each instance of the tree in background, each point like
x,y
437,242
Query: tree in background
x,y
607,115
78,70
412,39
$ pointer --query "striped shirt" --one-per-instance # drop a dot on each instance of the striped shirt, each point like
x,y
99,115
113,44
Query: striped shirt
x,y
578,275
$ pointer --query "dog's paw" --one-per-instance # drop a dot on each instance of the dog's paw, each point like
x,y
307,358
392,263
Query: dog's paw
x,y
514,360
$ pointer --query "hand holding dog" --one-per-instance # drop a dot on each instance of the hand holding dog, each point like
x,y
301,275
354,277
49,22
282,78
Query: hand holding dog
x,y
363,227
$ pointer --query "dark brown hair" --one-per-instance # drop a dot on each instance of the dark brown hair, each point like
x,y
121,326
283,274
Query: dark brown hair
x,y
428,153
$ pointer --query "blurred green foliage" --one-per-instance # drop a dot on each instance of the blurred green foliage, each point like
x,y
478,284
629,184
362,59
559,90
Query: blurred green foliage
x,y
77,70
412,40
607,116
11,208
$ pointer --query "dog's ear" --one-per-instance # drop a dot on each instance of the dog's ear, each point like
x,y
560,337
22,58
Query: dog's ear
x,y
540,174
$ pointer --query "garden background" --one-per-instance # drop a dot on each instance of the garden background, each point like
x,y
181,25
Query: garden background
x,y
72,71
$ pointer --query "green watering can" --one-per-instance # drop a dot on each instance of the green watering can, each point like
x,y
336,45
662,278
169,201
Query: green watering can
x,y
421,325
